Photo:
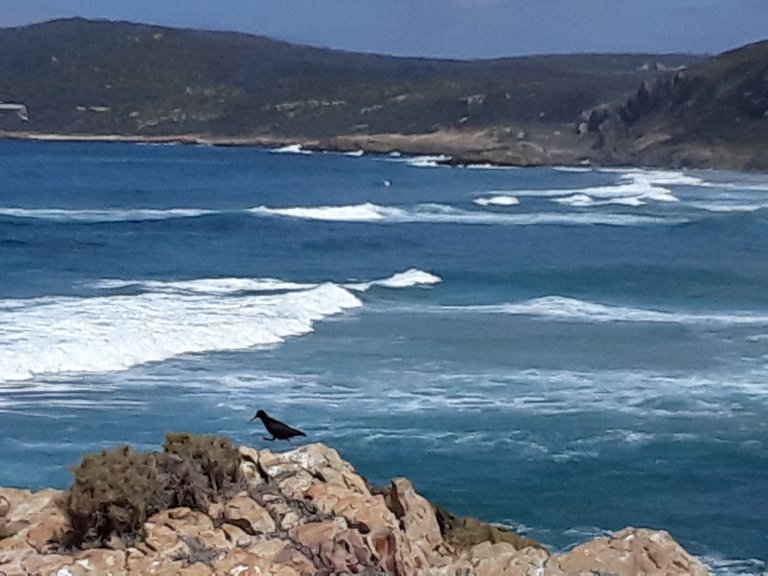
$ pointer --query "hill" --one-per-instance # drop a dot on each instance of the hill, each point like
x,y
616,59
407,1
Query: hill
x,y
713,114
81,78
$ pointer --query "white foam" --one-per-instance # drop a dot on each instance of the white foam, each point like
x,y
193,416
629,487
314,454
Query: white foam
x,y
109,333
290,149
585,200
663,177
106,333
571,309
634,188
428,161
490,167
728,206
110,215
355,153
497,200
409,278
442,213
346,213
205,285
576,169
719,565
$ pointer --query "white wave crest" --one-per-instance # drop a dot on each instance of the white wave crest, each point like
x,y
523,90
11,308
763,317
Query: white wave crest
x,y
428,161
110,333
442,213
290,149
108,215
348,213
635,188
571,309
205,285
663,177
490,167
585,200
497,200
636,191
575,169
729,206
407,279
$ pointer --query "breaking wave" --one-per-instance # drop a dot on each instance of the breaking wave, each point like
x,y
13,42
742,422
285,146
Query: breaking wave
x,y
290,149
407,279
442,213
112,332
497,200
562,308
428,161
107,215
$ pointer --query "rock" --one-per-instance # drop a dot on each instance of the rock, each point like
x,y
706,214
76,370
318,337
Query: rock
x,y
632,551
357,508
162,541
503,559
45,563
236,535
239,562
246,513
418,517
306,512
386,545
25,505
463,533
335,547
249,467
102,561
43,535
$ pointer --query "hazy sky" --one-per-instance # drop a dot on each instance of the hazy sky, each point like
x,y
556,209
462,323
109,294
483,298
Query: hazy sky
x,y
446,28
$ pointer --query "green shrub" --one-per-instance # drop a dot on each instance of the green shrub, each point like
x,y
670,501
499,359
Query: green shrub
x,y
115,491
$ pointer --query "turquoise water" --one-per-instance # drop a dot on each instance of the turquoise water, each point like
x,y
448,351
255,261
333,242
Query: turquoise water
x,y
563,351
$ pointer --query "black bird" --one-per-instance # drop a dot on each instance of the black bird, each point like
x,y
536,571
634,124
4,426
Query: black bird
x,y
279,430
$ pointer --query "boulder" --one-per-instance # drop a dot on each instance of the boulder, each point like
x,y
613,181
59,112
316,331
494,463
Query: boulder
x,y
249,515
307,512
631,551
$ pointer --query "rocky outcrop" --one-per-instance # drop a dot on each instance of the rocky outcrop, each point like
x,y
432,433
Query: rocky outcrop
x,y
306,512
711,115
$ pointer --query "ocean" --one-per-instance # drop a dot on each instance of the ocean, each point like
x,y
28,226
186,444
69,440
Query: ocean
x,y
562,351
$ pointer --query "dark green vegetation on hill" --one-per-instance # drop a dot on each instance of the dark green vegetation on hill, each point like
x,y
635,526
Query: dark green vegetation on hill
x,y
79,77
714,111
166,81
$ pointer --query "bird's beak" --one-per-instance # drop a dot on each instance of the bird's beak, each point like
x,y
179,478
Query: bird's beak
x,y
254,418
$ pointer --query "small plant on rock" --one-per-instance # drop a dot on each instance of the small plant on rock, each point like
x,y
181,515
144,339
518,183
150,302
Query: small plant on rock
x,y
115,491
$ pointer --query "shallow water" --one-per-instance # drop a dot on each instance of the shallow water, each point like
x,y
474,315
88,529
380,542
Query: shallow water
x,y
564,351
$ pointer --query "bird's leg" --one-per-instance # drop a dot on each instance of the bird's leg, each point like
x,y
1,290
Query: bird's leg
x,y
268,439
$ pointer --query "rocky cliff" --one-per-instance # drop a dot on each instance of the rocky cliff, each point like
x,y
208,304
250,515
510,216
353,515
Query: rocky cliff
x,y
307,512
713,114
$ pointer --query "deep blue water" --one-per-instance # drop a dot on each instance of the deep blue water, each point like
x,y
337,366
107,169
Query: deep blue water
x,y
564,351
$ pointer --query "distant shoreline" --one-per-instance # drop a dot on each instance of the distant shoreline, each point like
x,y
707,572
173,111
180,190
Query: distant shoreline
x,y
462,148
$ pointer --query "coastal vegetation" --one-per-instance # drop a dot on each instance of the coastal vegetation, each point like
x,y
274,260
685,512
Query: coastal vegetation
x,y
302,512
115,492
78,78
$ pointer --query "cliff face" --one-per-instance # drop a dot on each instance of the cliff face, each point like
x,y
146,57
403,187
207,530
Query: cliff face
x,y
712,114
306,512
